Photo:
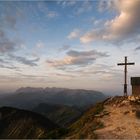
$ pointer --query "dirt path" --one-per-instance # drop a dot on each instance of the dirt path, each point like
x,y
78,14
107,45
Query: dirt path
x,y
121,123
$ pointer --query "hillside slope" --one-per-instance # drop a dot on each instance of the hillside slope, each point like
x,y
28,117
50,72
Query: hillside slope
x,y
115,118
60,114
15,123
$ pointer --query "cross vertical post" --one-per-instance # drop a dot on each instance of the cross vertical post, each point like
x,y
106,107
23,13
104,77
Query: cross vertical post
x,y
125,77
125,73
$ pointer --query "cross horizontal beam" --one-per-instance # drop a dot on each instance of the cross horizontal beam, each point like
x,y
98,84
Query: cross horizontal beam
x,y
125,64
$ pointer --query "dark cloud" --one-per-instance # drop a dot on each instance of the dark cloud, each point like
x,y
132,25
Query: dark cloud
x,y
9,67
6,45
137,48
6,64
7,50
25,61
92,53
8,21
1,34
9,47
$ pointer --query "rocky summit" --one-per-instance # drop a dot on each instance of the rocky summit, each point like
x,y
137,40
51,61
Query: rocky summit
x,y
115,118
122,120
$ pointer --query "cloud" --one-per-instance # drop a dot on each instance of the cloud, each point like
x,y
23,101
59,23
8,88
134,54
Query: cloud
x,y
101,71
8,20
23,79
79,7
7,61
42,6
9,47
77,58
91,53
125,26
137,48
6,45
52,14
67,3
86,6
107,5
95,34
40,44
7,64
64,48
9,67
74,34
97,22
24,61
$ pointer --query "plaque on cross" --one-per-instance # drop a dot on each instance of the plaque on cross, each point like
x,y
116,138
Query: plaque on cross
x,y
125,73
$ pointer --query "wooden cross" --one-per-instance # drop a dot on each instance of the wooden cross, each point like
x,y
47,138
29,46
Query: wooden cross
x,y
125,73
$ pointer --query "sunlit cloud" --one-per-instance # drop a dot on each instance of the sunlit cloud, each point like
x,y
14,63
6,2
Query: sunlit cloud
x,y
121,28
77,58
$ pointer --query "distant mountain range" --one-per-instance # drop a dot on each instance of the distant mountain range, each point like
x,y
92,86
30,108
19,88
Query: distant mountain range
x,y
62,106
29,98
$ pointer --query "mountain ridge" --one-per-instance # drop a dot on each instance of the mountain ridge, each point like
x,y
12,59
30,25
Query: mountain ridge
x,y
31,97
16,123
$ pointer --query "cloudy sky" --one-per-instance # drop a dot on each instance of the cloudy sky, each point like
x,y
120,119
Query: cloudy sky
x,y
72,44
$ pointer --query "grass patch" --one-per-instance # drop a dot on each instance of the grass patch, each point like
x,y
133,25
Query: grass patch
x,y
86,125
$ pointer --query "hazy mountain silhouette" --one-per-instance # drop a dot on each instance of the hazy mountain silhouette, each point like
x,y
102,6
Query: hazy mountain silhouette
x,y
28,98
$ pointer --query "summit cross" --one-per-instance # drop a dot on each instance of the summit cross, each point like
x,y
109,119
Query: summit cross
x,y
125,73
